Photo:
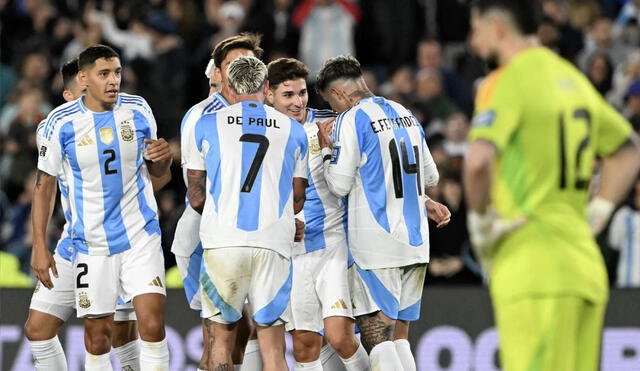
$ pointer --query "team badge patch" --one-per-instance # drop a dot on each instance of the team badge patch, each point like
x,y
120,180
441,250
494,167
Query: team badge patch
x,y
484,119
126,131
83,300
314,146
44,152
106,135
335,153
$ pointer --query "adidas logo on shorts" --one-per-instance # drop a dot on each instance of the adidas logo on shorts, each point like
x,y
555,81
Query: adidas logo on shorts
x,y
156,282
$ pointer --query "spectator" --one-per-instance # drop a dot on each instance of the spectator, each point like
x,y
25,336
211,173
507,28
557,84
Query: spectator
x,y
400,86
632,109
326,30
600,40
456,128
625,73
431,101
272,19
430,56
570,39
600,73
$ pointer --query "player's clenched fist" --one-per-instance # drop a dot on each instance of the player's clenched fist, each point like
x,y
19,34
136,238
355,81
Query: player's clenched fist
x,y
157,150
324,131
299,230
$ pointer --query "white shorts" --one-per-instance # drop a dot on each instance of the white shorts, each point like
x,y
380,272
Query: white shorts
x,y
232,274
187,235
61,300
101,280
397,292
189,267
320,288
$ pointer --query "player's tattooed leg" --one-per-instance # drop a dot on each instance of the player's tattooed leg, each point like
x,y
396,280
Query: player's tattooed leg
x,y
374,329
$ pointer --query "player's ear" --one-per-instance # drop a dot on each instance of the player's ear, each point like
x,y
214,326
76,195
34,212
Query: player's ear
x,y
270,96
66,94
217,74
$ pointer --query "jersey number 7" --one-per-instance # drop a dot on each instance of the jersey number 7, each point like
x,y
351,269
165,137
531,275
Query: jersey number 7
x,y
263,145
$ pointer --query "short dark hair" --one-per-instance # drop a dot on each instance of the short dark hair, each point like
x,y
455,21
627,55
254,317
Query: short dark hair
x,y
245,40
340,67
69,70
526,14
284,69
95,52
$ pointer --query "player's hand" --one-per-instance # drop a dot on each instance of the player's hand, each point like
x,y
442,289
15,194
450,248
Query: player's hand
x,y
41,261
438,213
299,230
598,213
157,150
324,131
487,229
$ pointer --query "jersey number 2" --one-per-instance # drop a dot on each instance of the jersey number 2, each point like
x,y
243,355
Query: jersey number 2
x,y
263,144
408,168
112,157
580,182
85,270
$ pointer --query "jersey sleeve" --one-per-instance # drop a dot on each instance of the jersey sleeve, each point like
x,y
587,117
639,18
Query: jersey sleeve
x,y
194,158
302,158
613,129
187,137
429,169
49,150
497,110
341,164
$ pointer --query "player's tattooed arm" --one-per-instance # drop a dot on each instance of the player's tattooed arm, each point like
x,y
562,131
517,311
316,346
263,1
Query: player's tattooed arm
x,y
374,329
44,195
196,186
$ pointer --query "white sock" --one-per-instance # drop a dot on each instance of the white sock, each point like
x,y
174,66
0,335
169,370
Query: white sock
x,y
330,359
154,356
385,358
359,361
237,367
48,355
129,355
403,348
97,362
309,366
252,358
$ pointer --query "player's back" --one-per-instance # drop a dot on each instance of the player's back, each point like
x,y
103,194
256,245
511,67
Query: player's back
x,y
387,222
251,155
548,124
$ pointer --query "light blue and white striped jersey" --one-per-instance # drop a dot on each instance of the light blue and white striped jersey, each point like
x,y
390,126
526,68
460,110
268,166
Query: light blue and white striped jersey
x,y
251,153
624,235
381,160
64,247
188,147
324,212
101,157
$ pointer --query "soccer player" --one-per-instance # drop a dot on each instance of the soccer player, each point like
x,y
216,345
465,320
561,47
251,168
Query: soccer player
x,y
377,155
538,126
254,162
320,296
105,144
186,244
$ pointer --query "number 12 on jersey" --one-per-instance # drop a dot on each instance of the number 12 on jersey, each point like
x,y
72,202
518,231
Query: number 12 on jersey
x,y
580,181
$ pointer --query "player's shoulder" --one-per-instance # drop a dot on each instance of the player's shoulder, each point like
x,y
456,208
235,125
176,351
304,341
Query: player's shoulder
x,y
58,116
314,114
133,102
195,113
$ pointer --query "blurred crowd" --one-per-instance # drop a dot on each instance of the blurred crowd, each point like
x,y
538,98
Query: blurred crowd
x,y
413,51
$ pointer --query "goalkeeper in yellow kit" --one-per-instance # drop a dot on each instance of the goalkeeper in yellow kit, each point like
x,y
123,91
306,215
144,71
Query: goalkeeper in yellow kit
x,y
538,127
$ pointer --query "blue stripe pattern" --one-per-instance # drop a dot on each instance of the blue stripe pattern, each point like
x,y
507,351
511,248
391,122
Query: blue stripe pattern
x,y
628,275
411,313
229,314
272,311
297,139
384,299
59,116
207,130
249,205
112,187
372,173
143,130
314,214
191,281
136,100
68,143
411,206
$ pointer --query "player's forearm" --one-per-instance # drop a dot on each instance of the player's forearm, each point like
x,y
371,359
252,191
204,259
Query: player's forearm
x,y
44,193
196,187
619,171
160,168
299,194
478,170
159,182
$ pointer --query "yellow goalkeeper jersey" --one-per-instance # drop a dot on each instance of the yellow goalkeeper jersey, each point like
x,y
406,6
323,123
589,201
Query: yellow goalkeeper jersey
x,y
548,124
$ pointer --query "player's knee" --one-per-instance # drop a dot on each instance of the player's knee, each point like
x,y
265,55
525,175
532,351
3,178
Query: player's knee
x,y
344,344
152,329
37,332
306,350
98,338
